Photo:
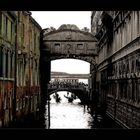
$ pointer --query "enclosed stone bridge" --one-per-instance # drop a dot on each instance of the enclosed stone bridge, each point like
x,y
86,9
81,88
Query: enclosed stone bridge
x,y
68,41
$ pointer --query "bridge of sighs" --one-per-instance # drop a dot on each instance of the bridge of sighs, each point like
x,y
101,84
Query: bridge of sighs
x,y
68,41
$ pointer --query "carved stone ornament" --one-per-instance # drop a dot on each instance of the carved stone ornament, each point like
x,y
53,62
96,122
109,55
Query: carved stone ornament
x,y
68,36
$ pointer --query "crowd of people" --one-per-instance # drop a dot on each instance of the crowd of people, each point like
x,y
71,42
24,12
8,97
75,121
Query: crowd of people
x,y
64,84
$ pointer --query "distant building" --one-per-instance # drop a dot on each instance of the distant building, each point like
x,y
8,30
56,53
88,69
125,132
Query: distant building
x,y
60,78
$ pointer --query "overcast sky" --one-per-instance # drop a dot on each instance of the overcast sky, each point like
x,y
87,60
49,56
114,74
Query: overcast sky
x,y
70,66
55,19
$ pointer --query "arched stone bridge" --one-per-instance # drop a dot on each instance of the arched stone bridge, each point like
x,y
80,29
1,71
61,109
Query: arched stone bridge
x,y
78,88
68,41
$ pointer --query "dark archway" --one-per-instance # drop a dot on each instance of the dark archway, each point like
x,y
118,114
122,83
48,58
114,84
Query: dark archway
x,y
79,93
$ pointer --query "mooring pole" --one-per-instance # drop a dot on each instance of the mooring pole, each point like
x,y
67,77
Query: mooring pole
x,y
49,120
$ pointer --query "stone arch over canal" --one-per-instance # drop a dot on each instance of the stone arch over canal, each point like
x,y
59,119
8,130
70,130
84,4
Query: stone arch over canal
x,y
81,93
68,41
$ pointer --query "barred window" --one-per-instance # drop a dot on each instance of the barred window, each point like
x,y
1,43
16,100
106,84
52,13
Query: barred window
x,y
57,45
80,46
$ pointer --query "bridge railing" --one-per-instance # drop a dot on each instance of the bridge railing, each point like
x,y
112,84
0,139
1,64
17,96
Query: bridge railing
x,y
77,85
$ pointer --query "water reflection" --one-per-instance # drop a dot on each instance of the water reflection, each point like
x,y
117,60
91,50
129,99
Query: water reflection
x,y
66,115
73,115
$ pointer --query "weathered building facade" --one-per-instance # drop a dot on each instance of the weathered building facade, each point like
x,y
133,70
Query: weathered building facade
x,y
19,66
7,66
27,74
118,64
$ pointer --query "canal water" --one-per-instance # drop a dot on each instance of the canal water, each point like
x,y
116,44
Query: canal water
x,y
65,115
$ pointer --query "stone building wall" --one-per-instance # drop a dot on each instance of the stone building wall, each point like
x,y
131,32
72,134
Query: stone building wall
x,y
28,55
119,65
19,66
7,66
35,31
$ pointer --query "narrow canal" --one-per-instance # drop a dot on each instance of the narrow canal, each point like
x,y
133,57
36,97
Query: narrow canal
x,y
73,115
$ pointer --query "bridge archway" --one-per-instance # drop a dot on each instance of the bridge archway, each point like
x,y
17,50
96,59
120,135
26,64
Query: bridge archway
x,y
82,95
70,66
70,58
68,41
